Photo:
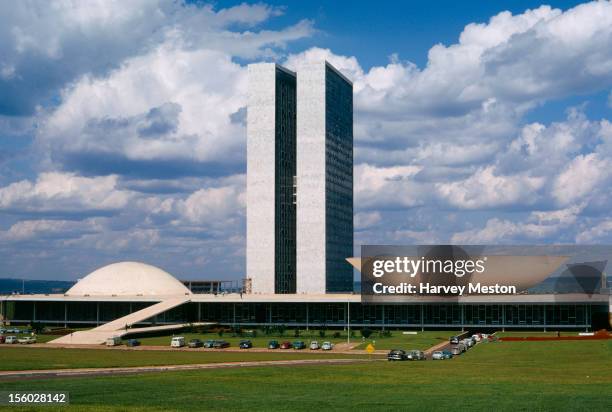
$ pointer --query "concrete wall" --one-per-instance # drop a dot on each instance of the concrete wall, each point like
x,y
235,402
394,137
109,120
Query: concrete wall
x,y
260,176
310,220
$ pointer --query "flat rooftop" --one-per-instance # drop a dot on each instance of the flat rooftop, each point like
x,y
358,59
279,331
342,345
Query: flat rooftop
x,y
325,298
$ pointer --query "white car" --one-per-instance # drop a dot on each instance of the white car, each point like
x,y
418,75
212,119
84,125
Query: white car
x,y
177,342
437,355
114,341
314,345
11,339
327,346
476,337
27,340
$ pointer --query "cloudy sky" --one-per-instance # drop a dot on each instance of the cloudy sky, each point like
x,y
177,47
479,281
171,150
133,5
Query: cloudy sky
x,y
122,125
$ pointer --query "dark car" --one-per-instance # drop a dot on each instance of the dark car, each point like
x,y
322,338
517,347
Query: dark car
x,y
286,345
298,344
2,339
245,344
447,354
454,340
209,343
133,342
273,344
220,344
397,355
195,343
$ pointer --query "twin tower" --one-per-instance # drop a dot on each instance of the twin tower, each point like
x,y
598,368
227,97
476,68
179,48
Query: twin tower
x,y
299,179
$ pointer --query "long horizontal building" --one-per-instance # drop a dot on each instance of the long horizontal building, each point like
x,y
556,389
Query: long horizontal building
x,y
120,289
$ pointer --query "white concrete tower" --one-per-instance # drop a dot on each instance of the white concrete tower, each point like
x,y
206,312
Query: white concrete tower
x,y
270,262
324,179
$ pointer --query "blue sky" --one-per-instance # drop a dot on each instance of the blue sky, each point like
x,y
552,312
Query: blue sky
x,y
122,126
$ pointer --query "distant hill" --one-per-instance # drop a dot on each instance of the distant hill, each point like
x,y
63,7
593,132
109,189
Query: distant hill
x,y
8,286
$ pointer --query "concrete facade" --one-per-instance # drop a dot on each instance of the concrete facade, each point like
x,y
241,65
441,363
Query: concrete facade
x,y
260,174
311,179
324,180
270,169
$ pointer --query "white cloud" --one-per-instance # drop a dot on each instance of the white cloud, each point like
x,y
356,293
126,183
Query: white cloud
x,y
64,192
387,186
598,232
212,205
485,189
196,90
500,231
32,230
364,220
539,225
580,177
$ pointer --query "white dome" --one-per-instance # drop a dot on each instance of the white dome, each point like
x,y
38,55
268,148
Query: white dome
x,y
128,279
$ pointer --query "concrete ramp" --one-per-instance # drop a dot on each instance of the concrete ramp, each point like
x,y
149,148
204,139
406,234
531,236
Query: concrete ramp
x,y
120,327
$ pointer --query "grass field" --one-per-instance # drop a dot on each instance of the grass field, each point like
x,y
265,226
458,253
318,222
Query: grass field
x,y
27,358
518,376
422,340
534,334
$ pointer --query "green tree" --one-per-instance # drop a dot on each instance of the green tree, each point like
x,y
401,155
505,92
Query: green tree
x,y
366,333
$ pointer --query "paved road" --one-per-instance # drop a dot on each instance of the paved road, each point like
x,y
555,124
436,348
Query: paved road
x,y
67,373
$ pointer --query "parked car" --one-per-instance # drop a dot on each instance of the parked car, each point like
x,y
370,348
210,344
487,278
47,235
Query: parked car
x,y
298,344
416,355
462,347
195,343
314,345
245,344
286,345
209,343
27,340
327,346
133,342
114,341
220,344
477,337
447,354
10,339
468,343
273,344
437,355
397,355
454,340
456,350
2,330
177,342
2,339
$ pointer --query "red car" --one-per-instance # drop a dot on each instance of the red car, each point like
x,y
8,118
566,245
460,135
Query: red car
x,y
1,339
286,345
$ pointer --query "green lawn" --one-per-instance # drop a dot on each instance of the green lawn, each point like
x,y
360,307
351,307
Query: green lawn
x,y
26,358
518,376
422,340
534,334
